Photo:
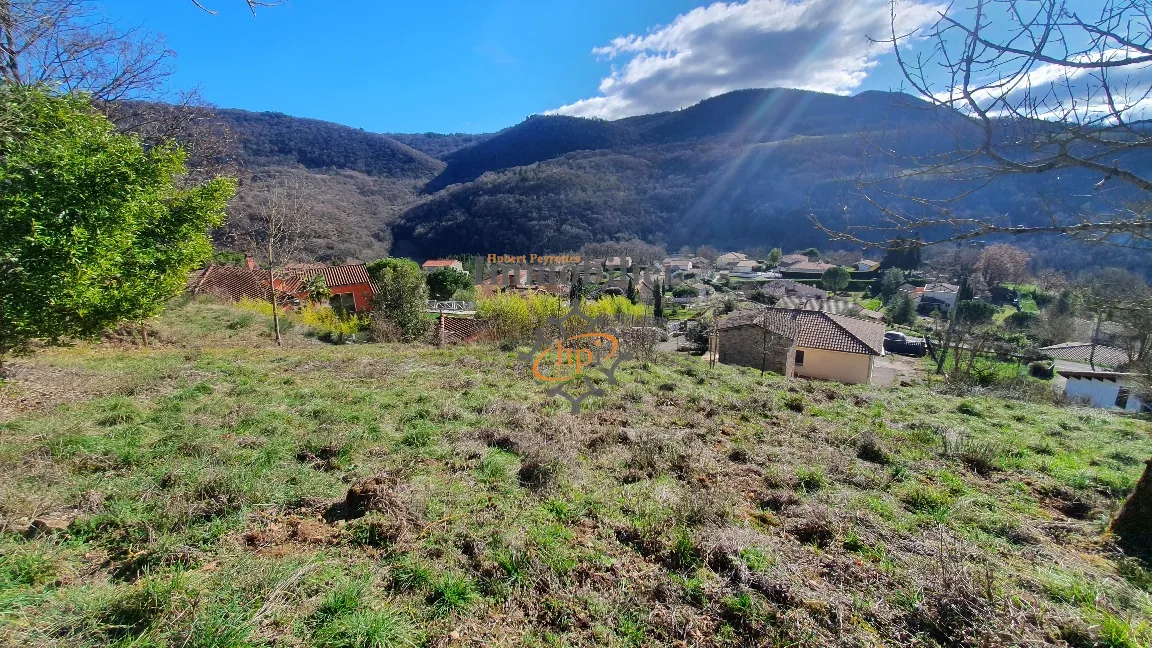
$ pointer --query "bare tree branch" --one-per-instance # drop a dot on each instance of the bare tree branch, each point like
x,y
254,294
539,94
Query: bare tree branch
x,y
1023,87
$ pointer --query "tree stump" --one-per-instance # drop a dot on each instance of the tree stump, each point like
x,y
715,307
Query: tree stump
x,y
1133,525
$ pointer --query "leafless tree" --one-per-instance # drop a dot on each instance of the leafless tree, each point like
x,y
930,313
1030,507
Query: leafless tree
x,y
275,234
1023,87
252,5
187,120
72,45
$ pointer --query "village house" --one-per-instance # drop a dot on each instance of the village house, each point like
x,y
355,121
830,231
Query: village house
x,y
865,265
730,259
1106,389
810,344
744,266
351,287
432,265
939,296
789,260
915,293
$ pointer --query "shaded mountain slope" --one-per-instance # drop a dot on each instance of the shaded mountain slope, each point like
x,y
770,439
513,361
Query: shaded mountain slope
x,y
276,139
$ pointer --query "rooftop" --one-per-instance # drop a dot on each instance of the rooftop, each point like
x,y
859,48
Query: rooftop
x,y
1082,352
815,329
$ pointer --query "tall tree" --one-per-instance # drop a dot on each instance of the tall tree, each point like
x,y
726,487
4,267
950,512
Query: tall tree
x,y
94,229
70,45
774,257
658,300
1002,264
903,253
444,282
835,278
890,282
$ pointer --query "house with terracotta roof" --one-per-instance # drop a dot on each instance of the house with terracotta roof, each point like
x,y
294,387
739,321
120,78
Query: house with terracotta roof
x,y
730,259
789,260
432,265
351,287
233,283
806,343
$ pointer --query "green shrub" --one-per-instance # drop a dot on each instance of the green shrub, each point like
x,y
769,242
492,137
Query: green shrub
x,y
968,408
1043,369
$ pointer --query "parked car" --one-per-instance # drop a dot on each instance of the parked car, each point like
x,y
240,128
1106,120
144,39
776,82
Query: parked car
x,y
897,342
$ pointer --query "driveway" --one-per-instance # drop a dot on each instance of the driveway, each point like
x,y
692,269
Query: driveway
x,y
891,369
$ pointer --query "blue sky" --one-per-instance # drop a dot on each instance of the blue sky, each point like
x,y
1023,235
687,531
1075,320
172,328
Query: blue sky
x,y
482,65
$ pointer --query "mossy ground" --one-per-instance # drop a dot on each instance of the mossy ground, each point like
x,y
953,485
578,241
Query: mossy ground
x,y
204,478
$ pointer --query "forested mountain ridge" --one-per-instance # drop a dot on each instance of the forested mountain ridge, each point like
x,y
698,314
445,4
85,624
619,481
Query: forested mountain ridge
x,y
269,138
744,169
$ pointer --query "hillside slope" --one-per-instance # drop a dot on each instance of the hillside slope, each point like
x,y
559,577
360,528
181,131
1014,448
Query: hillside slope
x,y
742,169
213,491
354,183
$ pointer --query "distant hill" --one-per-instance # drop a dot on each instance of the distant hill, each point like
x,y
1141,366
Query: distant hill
x,y
355,183
740,170
269,138
439,145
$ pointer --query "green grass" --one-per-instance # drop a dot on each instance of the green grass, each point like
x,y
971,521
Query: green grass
x,y
204,478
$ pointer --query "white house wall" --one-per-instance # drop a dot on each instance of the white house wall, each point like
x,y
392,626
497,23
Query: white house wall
x,y
1100,393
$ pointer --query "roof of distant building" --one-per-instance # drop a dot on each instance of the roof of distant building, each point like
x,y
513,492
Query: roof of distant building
x,y
941,287
808,266
834,306
787,287
440,263
1083,352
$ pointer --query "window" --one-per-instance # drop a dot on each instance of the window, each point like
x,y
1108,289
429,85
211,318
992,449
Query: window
x,y
799,358
1122,397
343,303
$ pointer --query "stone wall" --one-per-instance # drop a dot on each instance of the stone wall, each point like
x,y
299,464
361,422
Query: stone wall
x,y
756,347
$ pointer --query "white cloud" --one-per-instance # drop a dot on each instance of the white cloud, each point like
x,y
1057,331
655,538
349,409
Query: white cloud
x,y
1060,92
809,44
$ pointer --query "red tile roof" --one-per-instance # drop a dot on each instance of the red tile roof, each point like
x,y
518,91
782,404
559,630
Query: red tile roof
x,y
334,276
439,263
815,329
230,282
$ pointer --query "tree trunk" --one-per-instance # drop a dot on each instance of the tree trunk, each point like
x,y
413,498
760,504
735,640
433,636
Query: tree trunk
x,y
272,296
1133,525
1095,337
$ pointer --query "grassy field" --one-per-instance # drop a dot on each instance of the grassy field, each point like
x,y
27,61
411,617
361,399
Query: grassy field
x,y
215,490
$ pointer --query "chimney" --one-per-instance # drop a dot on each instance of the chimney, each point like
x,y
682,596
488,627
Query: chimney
x,y
249,261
